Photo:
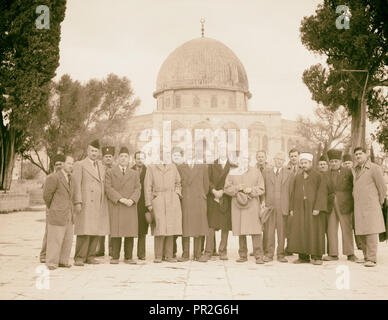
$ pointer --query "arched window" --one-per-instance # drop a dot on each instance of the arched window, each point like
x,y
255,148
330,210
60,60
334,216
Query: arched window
x,y
214,102
265,143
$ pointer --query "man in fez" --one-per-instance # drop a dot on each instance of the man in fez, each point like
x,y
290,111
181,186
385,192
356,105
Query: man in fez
x,y
108,153
347,161
323,166
122,187
339,208
308,203
91,208
58,160
141,207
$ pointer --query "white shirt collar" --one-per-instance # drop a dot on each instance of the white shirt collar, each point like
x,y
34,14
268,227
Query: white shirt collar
x,y
121,168
276,169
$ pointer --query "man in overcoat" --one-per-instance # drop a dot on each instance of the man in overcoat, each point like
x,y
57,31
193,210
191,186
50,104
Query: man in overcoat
x,y
218,208
277,188
339,208
195,186
141,207
162,190
369,193
245,189
58,194
122,187
91,219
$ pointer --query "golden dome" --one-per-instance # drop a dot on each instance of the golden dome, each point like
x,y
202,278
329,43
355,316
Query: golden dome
x,y
202,63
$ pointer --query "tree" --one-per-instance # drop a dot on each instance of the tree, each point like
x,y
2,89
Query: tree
x,y
363,46
29,57
79,113
328,130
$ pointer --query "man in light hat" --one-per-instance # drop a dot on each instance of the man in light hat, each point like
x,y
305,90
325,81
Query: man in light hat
x,y
339,208
108,153
122,187
277,187
322,164
308,203
245,189
91,219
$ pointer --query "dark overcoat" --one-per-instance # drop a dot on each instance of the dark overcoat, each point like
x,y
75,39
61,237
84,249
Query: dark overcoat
x,y
141,207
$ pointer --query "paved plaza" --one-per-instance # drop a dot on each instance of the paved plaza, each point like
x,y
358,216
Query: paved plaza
x,y
23,277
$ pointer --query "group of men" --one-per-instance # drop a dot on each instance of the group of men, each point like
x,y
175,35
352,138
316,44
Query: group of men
x,y
297,204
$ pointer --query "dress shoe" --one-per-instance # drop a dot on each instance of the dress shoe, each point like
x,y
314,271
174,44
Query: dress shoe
x,y
92,261
370,264
64,265
114,261
51,267
354,258
215,254
130,261
79,263
251,254
158,260
183,259
330,258
267,259
100,254
299,261
282,259
223,257
316,262
42,260
203,258
259,260
141,258
171,260
242,259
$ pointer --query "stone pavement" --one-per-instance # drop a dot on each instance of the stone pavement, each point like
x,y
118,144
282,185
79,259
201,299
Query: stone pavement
x,y
21,274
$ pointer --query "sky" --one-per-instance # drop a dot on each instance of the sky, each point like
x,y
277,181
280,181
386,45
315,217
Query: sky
x,y
133,38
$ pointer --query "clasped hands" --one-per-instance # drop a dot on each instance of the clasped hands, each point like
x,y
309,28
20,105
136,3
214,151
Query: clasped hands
x,y
127,202
315,212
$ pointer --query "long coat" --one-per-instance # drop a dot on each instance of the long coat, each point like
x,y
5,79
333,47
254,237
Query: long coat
x,y
89,191
246,220
162,189
195,186
57,194
141,207
306,231
218,213
271,199
340,188
369,193
123,219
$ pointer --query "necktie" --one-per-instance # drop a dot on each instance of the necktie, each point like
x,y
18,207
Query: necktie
x,y
95,164
277,172
69,179
123,171
261,169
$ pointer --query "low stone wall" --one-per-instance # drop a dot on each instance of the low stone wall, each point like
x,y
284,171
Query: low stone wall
x,y
36,197
12,201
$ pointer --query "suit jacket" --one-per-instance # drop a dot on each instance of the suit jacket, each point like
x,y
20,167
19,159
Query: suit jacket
x,y
57,194
270,196
341,190
141,207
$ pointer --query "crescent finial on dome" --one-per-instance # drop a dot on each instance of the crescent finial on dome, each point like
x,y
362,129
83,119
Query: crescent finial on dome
x,y
203,26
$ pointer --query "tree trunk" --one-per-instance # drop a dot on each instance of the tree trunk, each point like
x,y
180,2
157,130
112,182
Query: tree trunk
x,y
7,156
358,125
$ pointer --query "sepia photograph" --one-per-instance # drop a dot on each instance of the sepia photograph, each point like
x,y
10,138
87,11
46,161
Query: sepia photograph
x,y
194,155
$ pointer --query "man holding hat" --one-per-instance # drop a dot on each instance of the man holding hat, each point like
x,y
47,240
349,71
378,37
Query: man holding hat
x,y
322,164
245,189
308,203
91,208
339,208
108,154
277,187
122,187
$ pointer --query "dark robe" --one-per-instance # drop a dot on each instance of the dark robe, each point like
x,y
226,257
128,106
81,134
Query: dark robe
x,y
218,214
141,207
307,232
